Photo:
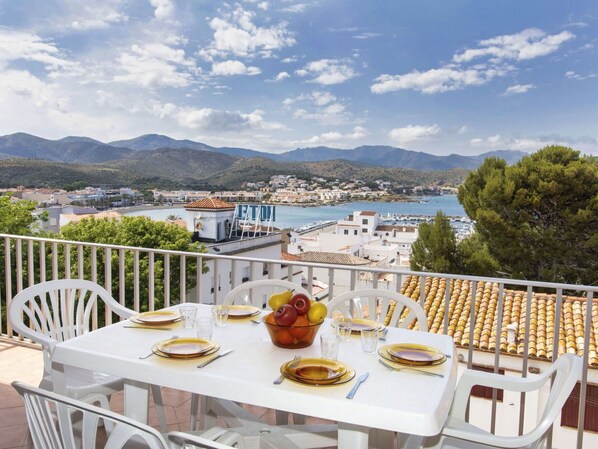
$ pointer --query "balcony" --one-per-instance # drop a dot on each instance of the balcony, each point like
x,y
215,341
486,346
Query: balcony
x,y
562,318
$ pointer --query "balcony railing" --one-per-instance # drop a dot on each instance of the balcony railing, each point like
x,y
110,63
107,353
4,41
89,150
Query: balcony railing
x,y
144,279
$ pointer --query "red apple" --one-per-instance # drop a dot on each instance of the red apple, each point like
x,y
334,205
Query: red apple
x,y
285,315
300,302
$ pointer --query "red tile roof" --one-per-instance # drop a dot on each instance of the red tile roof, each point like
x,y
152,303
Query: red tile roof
x,y
486,335
289,256
210,203
367,212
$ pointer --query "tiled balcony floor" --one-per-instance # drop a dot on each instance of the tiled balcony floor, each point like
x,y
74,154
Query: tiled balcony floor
x,y
25,363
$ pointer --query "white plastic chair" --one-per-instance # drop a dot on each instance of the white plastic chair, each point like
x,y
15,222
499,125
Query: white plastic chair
x,y
459,434
56,311
256,293
365,303
59,422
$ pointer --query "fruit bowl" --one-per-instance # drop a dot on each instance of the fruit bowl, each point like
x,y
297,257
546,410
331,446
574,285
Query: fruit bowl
x,y
292,337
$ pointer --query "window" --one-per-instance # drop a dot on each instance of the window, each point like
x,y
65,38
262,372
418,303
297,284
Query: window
x,y
364,230
364,221
486,392
570,410
346,232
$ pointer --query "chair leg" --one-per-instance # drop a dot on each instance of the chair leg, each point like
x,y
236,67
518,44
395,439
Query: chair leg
x,y
193,414
157,395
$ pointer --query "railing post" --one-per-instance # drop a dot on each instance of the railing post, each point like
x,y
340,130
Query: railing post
x,y
528,312
584,374
151,281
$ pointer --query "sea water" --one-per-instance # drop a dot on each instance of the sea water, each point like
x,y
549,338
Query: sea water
x,y
297,216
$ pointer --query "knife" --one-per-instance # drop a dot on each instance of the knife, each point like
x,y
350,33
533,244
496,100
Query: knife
x,y
222,354
360,380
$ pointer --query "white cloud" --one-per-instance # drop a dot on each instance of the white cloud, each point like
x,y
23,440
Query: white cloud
x,y
357,133
296,8
528,44
533,143
289,60
518,89
214,120
164,9
320,106
15,45
366,35
263,5
153,65
328,71
413,133
98,19
230,68
576,76
436,80
462,130
235,33
281,76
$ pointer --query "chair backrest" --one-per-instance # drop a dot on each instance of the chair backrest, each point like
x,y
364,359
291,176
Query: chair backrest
x,y
378,305
257,293
55,311
59,422
567,370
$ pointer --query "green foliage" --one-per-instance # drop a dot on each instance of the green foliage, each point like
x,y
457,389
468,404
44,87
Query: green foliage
x,y
475,259
16,217
539,217
435,248
138,232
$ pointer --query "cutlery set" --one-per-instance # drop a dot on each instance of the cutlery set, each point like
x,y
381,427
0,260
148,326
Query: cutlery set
x,y
280,378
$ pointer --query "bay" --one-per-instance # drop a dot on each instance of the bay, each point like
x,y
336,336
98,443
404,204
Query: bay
x,y
296,216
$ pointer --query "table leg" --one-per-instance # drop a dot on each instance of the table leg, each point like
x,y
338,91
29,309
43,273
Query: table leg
x,y
137,400
351,436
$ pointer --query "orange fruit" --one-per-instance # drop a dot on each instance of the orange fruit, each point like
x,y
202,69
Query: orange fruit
x,y
270,318
300,327
284,337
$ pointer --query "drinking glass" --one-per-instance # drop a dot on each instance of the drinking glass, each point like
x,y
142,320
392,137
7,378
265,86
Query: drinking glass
x,y
329,346
220,314
204,327
188,314
343,328
369,340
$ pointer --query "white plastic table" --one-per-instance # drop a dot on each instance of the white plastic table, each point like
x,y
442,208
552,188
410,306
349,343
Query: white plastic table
x,y
403,402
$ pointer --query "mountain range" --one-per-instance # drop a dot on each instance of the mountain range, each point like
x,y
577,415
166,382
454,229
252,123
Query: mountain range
x,y
83,150
155,161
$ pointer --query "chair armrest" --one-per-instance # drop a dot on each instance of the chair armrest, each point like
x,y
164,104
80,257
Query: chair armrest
x,y
184,440
469,432
471,378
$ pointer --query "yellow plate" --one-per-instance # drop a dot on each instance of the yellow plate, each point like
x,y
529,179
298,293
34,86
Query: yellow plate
x,y
239,311
185,347
412,354
347,377
156,351
157,317
318,371
360,324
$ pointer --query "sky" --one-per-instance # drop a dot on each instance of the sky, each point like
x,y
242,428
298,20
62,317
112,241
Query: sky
x,y
439,76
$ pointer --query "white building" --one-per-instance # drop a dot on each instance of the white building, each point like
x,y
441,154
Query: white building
x,y
211,221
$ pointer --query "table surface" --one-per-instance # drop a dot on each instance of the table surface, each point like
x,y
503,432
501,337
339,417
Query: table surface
x,y
398,401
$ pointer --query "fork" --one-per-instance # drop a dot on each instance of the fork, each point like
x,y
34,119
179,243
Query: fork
x,y
279,379
408,368
174,337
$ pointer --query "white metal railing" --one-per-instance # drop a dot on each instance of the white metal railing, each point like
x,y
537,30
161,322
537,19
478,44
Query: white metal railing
x,y
134,275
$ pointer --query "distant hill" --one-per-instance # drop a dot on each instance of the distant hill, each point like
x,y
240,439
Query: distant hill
x,y
83,150
156,141
71,150
387,156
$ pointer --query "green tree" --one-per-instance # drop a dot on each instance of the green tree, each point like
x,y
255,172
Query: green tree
x,y
17,217
539,217
140,232
475,259
435,248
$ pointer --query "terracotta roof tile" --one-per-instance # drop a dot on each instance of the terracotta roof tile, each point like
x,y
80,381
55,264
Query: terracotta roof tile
x,y
486,334
396,227
332,258
211,204
367,213
289,256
